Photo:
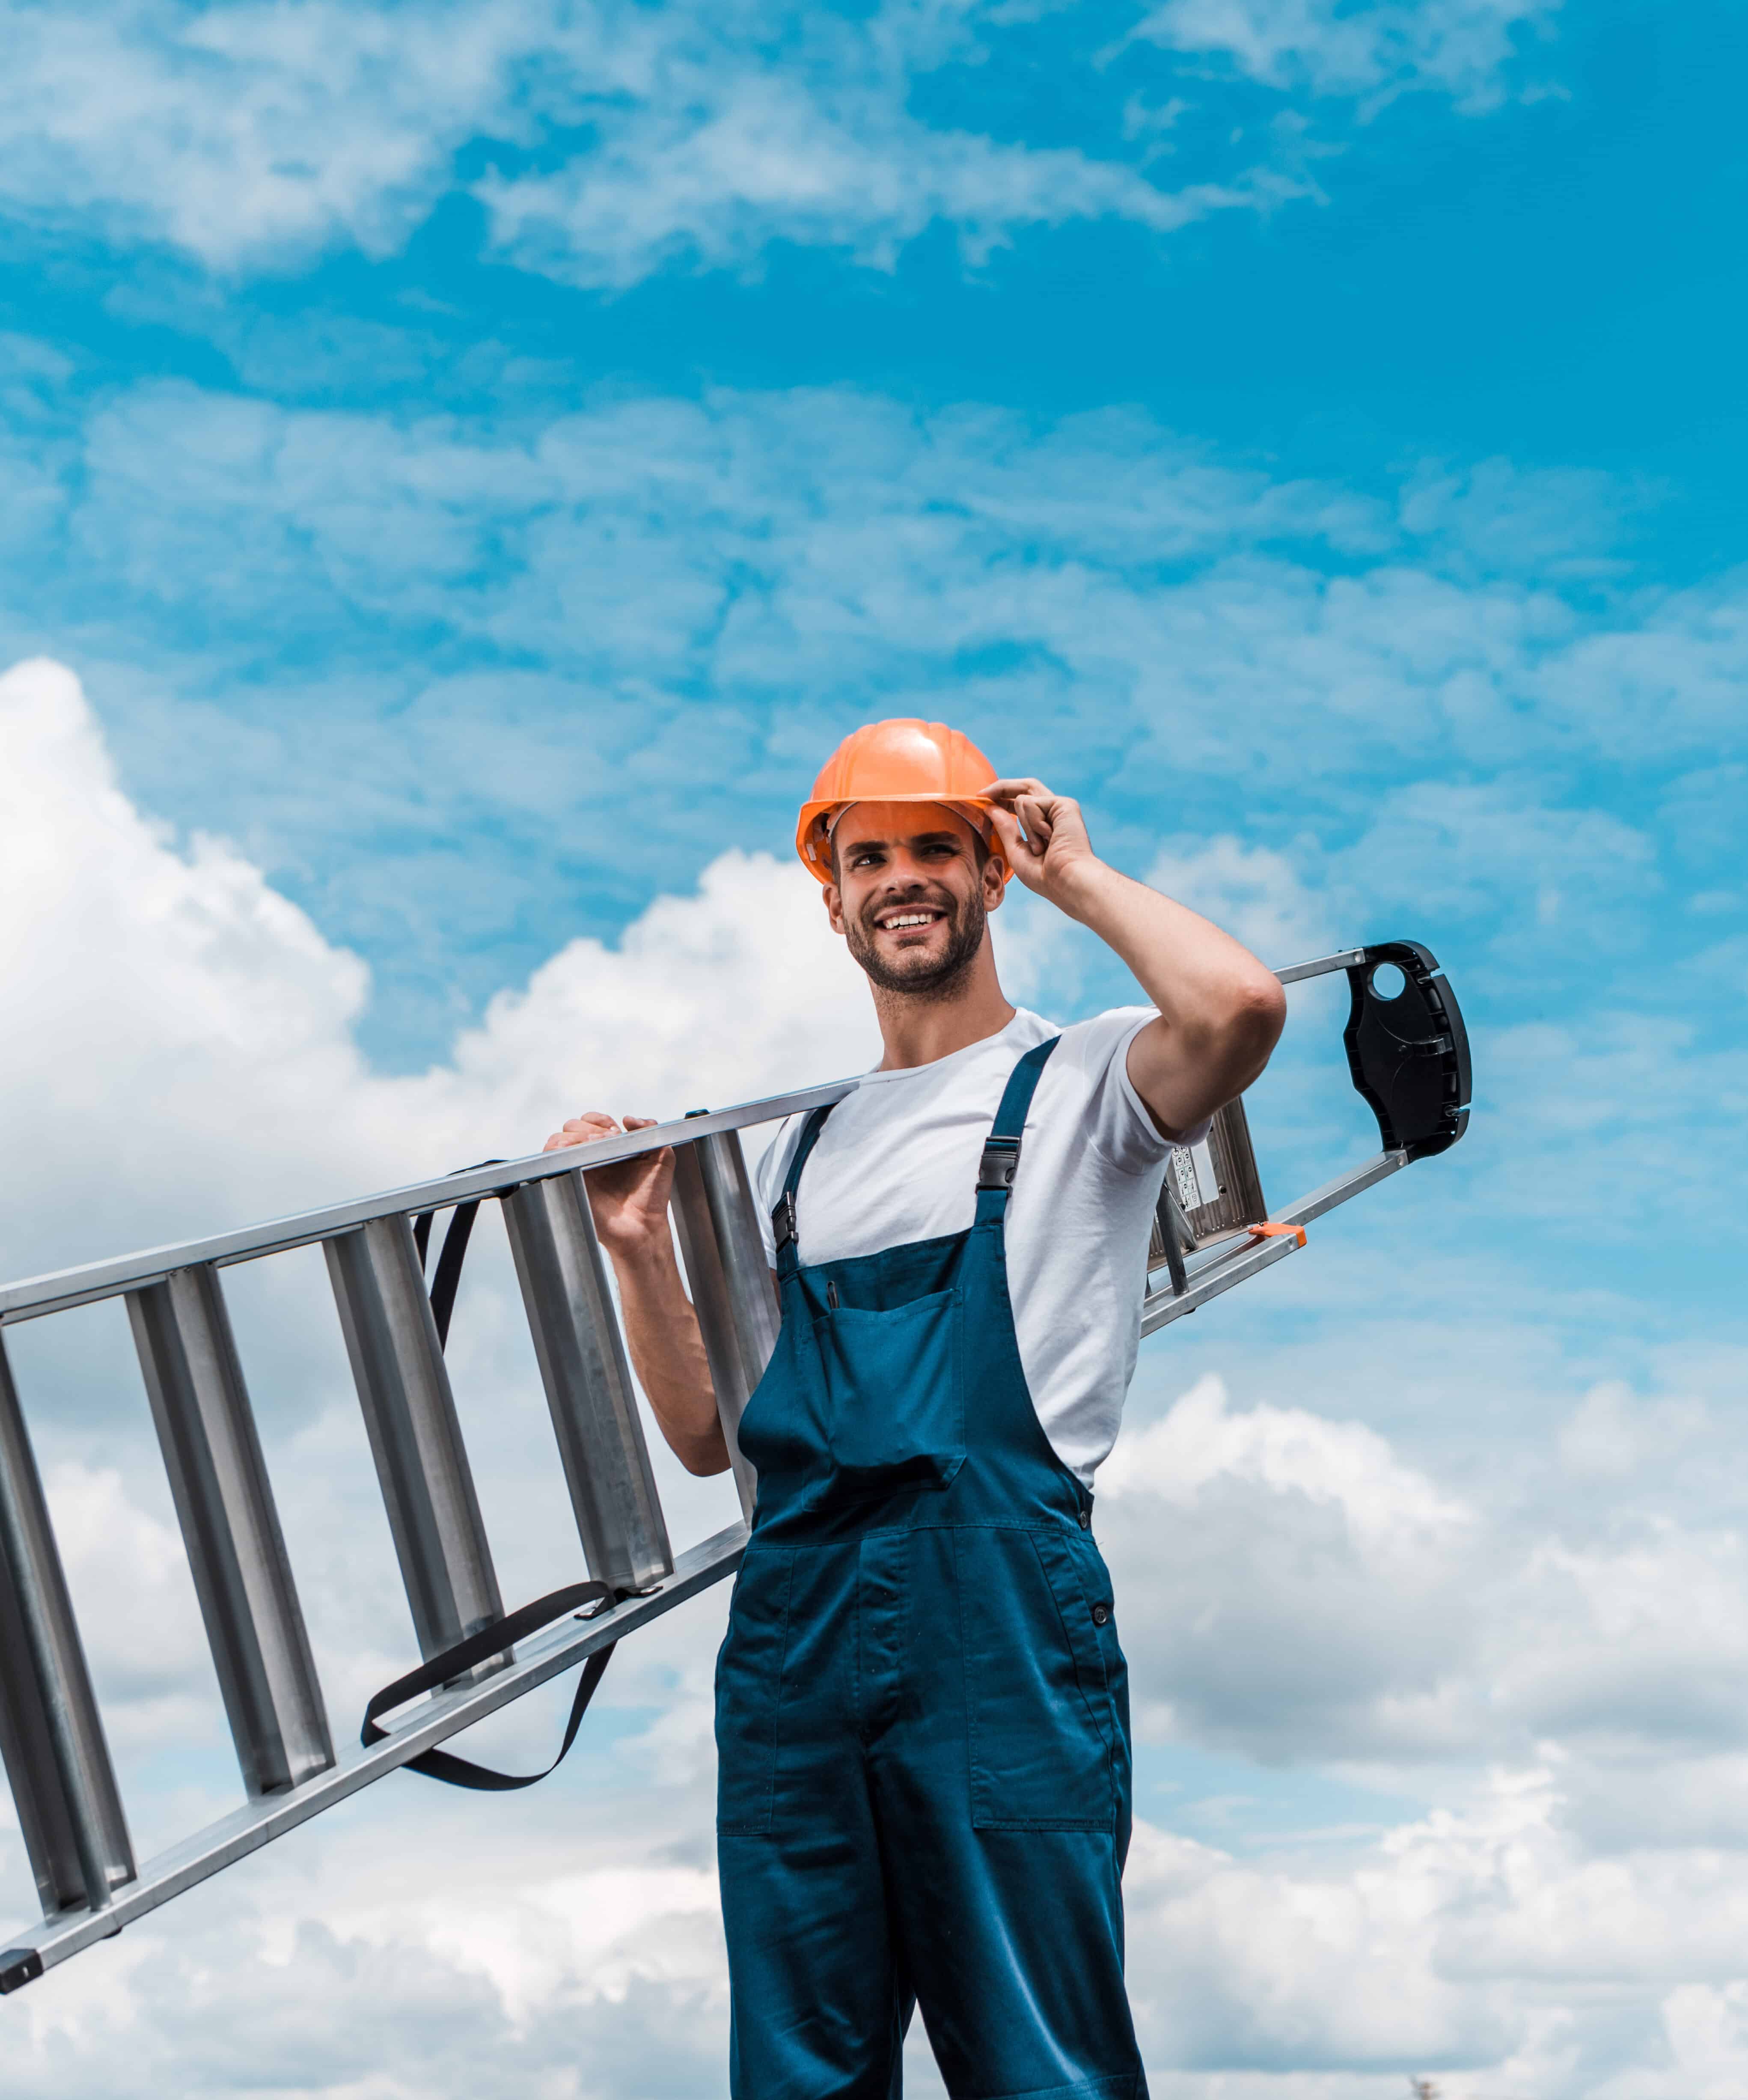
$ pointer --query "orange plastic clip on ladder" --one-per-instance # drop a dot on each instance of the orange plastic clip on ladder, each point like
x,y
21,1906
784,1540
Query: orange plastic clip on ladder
x,y
1271,1231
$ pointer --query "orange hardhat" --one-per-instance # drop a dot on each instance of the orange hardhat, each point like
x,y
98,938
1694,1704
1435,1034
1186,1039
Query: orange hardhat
x,y
903,760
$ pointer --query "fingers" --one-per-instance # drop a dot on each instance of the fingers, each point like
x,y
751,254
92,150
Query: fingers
x,y
594,1124
1024,829
583,1130
1009,791
1032,803
1008,831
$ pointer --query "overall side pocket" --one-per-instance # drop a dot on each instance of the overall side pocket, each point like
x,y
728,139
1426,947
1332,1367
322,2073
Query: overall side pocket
x,y
749,1667
1041,1728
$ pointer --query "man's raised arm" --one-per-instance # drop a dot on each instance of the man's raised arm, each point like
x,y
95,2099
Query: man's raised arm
x,y
629,1203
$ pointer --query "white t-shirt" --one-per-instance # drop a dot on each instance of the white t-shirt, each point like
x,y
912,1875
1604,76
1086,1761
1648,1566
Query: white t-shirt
x,y
898,1161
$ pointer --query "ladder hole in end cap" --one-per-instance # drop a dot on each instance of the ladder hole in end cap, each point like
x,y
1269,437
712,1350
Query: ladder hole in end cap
x,y
1388,982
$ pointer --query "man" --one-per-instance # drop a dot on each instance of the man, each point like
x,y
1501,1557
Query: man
x,y
922,1719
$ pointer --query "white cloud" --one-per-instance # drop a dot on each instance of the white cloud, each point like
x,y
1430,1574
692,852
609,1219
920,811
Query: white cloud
x,y
181,983
1254,892
248,133
1462,47
831,544
1611,1435
1317,1588
734,160
1386,1507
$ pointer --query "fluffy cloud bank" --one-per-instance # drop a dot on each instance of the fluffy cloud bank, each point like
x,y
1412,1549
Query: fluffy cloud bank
x,y
202,1065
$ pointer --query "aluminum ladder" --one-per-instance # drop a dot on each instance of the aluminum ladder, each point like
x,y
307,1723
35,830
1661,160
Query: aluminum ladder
x,y
1409,1057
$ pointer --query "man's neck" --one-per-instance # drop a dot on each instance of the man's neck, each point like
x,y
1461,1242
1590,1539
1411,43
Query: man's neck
x,y
919,1031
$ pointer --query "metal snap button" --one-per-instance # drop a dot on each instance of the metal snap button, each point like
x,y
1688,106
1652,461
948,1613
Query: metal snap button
x,y
1101,1613
1086,1520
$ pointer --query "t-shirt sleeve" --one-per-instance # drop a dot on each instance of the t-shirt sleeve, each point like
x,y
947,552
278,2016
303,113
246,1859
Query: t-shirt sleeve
x,y
1120,1126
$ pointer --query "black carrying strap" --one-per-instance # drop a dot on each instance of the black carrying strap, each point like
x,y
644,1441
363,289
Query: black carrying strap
x,y
478,1647
447,1280
503,1633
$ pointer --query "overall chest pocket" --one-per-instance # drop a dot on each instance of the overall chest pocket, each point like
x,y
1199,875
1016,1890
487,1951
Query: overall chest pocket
x,y
894,1393
1044,1699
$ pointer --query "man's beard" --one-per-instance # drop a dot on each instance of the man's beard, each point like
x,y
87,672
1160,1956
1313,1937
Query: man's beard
x,y
941,980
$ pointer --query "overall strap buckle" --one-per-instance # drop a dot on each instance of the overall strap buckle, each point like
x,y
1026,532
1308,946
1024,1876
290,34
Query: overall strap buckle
x,y
999,1164
784,1230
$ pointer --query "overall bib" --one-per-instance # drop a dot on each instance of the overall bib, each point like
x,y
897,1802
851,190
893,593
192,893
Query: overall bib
x,y
922,1709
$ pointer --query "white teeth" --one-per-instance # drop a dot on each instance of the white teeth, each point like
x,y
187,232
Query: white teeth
x,y
908,918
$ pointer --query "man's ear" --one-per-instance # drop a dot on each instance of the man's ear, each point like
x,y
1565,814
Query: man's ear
x,y
834,906
994,882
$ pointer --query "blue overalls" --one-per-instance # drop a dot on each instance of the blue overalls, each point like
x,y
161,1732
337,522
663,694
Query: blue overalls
x,y
922,1709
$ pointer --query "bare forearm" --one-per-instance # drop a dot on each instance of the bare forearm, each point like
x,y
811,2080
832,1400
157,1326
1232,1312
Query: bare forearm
x,y
1220,1010
667,1354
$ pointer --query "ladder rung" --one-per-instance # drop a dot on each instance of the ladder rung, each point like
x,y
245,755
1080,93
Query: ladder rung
x,y
236,1552
63,1784
415,1438
587,1382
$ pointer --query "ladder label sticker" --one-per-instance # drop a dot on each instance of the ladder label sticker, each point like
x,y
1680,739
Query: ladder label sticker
x,y
1208,1179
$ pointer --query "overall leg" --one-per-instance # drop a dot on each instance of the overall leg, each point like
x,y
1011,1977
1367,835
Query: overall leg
x,y
1003,1804
819,2003
1018,1940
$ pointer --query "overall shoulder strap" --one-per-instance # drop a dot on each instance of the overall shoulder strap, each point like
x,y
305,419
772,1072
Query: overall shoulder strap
x,y
1001,1148
784,1229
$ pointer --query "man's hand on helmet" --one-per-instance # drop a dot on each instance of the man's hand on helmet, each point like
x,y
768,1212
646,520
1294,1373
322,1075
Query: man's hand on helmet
x,y
1043,836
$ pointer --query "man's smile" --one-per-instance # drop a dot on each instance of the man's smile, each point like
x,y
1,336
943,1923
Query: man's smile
x,y
908,915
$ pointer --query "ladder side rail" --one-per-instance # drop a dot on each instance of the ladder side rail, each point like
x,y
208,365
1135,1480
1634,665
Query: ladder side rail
x,y
587,1382
64,1783
32,1297
415,1437
544,1657
1343,1188
1345,959
229,1525
716,1218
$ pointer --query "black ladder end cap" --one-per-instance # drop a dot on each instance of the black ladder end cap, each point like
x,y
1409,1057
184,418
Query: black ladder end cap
x,y
19,1965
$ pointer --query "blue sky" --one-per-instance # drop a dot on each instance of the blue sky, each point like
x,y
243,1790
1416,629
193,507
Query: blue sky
x,y
1419,241
476,463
